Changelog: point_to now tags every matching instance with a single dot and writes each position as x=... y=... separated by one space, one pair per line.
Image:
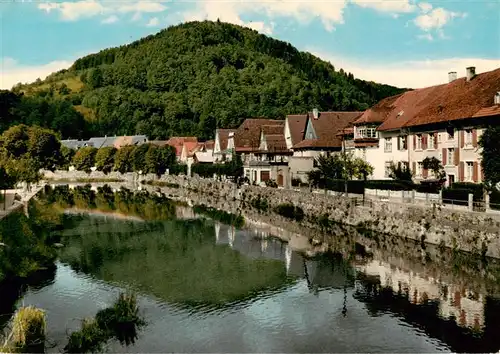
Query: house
x=184 y=146
x=106 y=141
x=260 y=143
x=313 y=134
x=270 y=160
x=204 y=152
x=222 y=151
x=444 y=121
x=122 y=141
x=73 y=144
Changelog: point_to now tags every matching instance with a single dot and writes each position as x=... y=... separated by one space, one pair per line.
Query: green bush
x=456 y=196
x=290 y=211
x=495 y=199
x=338 y=185
x=260 y=203
x=391 y=185
x=178 y=169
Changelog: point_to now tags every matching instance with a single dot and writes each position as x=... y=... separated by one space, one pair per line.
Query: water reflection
x=210 y=287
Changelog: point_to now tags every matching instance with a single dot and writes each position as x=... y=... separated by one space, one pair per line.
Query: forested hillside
x=190 y=79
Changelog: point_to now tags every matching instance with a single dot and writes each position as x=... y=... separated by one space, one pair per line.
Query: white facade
x=457 y=149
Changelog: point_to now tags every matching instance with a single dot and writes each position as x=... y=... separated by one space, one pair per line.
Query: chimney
x=452 y=76
x=470 y=72
x=496 y=100
x=315 y=113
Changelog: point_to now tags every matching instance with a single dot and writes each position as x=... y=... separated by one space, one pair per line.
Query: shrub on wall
x=290 y=211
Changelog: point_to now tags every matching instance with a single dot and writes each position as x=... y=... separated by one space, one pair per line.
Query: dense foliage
x=338 y=166
x=146 y=158
x=491 y=155
x=190 y=79
x=41 y=110
x=24 y=151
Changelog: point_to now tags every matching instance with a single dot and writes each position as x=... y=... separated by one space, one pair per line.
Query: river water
x=207 y=287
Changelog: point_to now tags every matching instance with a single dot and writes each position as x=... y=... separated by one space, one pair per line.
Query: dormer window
x=366 y=133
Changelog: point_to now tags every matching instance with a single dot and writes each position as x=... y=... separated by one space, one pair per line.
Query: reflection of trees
x=175 y=260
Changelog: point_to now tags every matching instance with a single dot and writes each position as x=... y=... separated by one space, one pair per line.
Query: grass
x=28 y=331
x=73 y=83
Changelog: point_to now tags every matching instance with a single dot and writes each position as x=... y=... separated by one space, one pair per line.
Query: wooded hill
x=188 y=80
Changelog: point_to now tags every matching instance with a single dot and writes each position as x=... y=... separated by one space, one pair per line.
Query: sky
x=406 y=43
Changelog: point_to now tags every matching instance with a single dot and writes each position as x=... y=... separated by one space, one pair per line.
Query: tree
x=400 y=172
x=44 y=147
x=339 y=166
x=84 y=159
x=105 y=159
x=138 y=157
x=66 y=157
x=433 y=164
x=123 y=159
x=14 y=141
x=490 y=144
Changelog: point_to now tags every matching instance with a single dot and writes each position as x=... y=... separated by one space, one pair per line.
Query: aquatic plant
x=90 y=338
x=28 y=332
x=119 y=321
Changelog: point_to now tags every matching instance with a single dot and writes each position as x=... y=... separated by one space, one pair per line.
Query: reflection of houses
x=259 y=244
x=453 y=301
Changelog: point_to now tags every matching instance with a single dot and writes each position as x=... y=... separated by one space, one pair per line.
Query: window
x=420 y=168
x=468 y=137
x=431 y=143
x=451 y=157
x=469 y=171
x=387 y=170
x=364 y=132
x=419 y=142
x=439 y=137
x=388 y=145
x=451 y=133
x=402 y=142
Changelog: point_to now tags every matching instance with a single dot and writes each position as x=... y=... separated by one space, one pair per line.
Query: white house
x=443 y=121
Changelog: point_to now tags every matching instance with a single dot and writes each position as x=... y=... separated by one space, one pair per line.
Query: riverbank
x=458 y=230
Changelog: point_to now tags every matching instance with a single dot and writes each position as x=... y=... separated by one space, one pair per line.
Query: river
x=204 y=286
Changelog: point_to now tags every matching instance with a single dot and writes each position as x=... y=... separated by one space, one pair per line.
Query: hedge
x=338 y=185
x=391 y=185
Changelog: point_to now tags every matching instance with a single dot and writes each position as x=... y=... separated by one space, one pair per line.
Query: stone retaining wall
x=467 y=231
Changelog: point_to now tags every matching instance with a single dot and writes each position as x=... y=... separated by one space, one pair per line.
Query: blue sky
x=407 y=43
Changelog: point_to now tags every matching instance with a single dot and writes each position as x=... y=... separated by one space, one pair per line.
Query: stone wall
x=467 y=231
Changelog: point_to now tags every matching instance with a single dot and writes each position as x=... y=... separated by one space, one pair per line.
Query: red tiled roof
x=276 y=143
x=209 y=144
x=158 y=142
x=178 y=142
x=297 y=125
x=488 y=112
x=457 y=100
x=247 y=136
x=224 y=137
x=273 y=129
x=326 y=127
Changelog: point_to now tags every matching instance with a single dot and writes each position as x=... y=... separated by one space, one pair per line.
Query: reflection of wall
x=465 y=306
